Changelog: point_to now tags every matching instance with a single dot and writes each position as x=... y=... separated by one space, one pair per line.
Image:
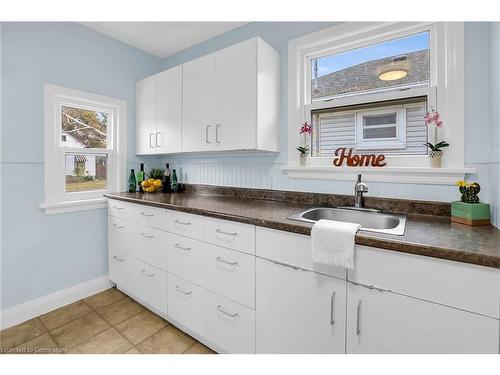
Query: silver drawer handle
x=118 y=226
x=178 y=288
x=146 y=236
x=118 y=259
x=226 y=233
x=182 y=247
x=147 y=215
x=332 y=309
x=118 y=208
x=358 y=328
x=146 y=274
x=181 y=222
x=222 y=260
x=221 y=309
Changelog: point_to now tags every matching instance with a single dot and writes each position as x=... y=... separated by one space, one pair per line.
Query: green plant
x=303 y=149
x=438 y=146
x=156 y=173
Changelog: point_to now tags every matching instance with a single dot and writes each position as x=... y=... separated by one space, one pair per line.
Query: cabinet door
x=169 y=111
x=145 y=127
x=385 y=322
x=236 y=96
x=198 y=128
x=298 y=311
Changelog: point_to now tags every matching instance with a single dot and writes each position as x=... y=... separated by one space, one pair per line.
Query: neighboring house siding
x=338 y=129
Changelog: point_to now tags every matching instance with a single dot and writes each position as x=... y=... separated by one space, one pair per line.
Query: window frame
x=396 y=143
x=445 y=92
x=57 y=200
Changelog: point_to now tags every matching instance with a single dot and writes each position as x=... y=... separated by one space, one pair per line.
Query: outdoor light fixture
x=392 y=75
x=396 y=69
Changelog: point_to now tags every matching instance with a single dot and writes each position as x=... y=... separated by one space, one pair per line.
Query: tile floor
x=108 y=322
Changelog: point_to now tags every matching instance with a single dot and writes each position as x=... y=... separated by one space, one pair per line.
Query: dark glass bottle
x=140 y=177
x=132 y=182
x=174 y=184
x=166 y=180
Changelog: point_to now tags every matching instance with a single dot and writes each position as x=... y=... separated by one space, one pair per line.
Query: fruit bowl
x=151 y=185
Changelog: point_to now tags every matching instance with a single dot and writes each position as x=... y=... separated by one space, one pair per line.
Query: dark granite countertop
x=434 y=236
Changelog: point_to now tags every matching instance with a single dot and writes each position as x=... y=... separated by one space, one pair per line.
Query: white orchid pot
x=304 y=160
x=435 y=158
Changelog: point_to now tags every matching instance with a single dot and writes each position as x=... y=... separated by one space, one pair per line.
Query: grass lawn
x=85 y=185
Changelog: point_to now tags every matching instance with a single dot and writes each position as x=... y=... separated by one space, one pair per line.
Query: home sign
x=345 y=157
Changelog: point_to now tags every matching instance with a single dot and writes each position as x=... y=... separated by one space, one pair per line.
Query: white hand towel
x=332 y=243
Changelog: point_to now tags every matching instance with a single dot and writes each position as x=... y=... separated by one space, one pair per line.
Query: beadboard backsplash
x=265 y=174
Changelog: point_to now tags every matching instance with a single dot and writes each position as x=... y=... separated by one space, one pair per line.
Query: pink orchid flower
x=306 y=128
x=433 y=118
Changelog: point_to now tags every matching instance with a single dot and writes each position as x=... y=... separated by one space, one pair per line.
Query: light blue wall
x=43 y=254
x=494 y=80
x=262 y=171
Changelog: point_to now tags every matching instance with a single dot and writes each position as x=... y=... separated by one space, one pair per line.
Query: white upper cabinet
x=169 y=111
x=231 y=99
x=236 y=97
x=224 y=101
x=159 y=113
x=198 y=128
x=145 y=116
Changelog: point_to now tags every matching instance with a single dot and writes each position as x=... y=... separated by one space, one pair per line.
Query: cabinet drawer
x=230 y=234
x=226 y=272
x=142 y=242
x=293 y=249
x=229 y=325
x=461 y=285
x=151 y=285
x=146 y=215
x=121 y=270
x=185 y=224
x=118 y=208
x=185 y=302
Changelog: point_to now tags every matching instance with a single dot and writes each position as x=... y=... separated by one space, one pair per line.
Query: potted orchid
x=306 y=129
x=435 y=150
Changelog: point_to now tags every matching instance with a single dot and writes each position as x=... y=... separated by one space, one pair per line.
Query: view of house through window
x=84 y=129
x=396 y=127
x=395 y=63
x=391 y=126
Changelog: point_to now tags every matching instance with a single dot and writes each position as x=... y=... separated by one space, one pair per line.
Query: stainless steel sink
x=370 y=220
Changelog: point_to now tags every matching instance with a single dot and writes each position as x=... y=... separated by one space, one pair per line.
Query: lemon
x=157 y=183
x=145 y=184
x=150 y=189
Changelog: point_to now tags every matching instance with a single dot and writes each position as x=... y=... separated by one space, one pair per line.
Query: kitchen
x=250 y=188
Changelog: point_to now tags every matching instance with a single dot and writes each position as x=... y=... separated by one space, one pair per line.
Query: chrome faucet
x=359 y=189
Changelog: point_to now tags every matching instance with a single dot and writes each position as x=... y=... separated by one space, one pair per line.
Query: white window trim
x=445 y=93
x=396 y=143
x=56 y=199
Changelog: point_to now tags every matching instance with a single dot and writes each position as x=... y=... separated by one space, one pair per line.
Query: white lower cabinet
x=225 y=324
x=386 y=322
x=201 y=273
x=298 y=311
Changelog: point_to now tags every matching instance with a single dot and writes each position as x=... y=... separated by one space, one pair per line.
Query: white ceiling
x=162 y=38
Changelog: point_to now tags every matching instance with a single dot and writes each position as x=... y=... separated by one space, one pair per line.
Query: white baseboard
x=31 y=309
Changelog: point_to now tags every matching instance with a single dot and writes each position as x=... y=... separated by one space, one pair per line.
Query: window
x=397 y=127
x=84 y=148
x=367 y=86
x=397 y=63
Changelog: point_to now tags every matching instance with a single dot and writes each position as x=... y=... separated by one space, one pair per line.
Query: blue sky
x=394 y=47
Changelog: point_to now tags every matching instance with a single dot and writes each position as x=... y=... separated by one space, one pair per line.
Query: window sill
x=415 y=175
x=73 y=206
